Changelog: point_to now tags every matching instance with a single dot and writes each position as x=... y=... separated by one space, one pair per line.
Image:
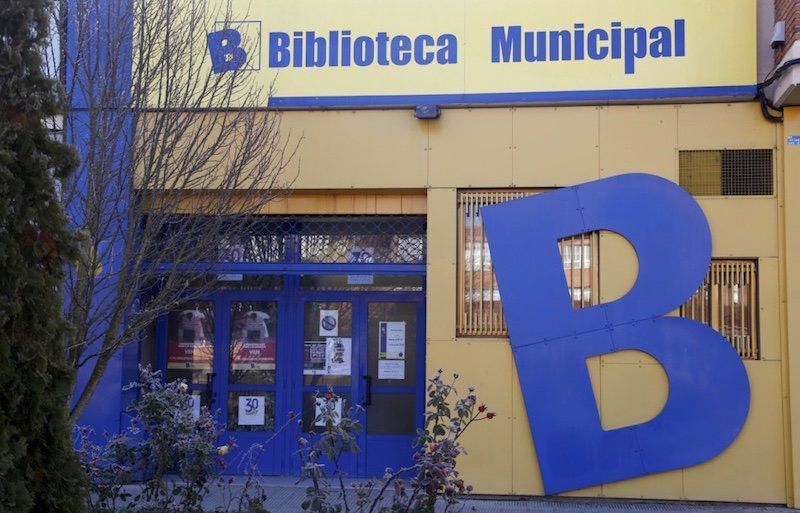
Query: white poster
x=329 y=323
x=392 y=342
x=391 y=369
x=251 y=410
x=337 y=407
x=314 y=358
x=337 y=356
x=193 y=401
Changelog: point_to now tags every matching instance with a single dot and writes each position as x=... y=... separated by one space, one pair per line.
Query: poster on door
x=252 y=341
x=337 y=356
x=193 y=403
x=251 y=410
x=392 y=340
x=190 y=343
x=314 y=353
x=329 y=323
x=391 y=369
x=335 y=404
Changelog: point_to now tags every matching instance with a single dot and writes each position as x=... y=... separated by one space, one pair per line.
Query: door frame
x=360 y=300
x=288 y=392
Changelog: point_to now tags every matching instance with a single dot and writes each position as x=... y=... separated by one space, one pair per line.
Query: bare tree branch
x=176 y=162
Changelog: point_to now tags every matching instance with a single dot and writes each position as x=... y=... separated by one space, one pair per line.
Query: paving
x=284 y=495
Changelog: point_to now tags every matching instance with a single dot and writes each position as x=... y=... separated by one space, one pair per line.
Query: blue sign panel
x=709 y=393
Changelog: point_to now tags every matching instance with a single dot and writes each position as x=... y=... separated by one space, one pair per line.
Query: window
x=727 y=301
x=480 y=312
x=726 y=172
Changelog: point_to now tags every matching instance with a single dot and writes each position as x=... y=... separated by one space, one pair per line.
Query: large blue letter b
x=709 y=394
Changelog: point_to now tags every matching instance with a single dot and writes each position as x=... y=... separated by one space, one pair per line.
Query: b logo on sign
x=232 y=49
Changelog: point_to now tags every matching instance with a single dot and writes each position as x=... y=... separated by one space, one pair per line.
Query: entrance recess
x=256 y=356
x=305 y=303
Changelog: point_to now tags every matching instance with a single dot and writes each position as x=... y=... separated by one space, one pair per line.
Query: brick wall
x=788 y=11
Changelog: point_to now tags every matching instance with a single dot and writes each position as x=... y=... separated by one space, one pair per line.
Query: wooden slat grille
x=727 y=301
x=480 y=311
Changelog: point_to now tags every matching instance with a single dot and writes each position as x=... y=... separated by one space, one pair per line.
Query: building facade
x=375 y=271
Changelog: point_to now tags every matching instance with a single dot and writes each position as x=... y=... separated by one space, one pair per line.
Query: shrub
x=163 y=439
x=413 y=489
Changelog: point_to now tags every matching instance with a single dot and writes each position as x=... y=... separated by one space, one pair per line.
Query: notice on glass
x=251 y=410
x=337 y=356
x=391 y=369
x=329 y=323
x=190 y=344
x=392 y=343
x=321 y=403
x=193 y=401
x=252 y=344
x=314 y=358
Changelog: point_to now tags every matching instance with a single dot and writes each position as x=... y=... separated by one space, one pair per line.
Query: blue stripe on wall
x=512 y=98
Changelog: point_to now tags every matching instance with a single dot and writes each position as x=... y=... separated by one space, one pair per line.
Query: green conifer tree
x=38 y=468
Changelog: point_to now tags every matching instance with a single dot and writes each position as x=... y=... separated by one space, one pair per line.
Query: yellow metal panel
x=311 y=204
x=441 y=270
x=364 y=204
x=555 y=146
x=619 y=266
x=344 y=203
x=633 y=389
x=720 y=46
x=526 y=476
x=304 y=202
x=631 y=393
x=638 y=138
x=745 y=227
x=791 y=318
x=471 y=148
x=389 y=204
x=723 y=125
x=484 y=365
x=769 y=308
x=666 y=485
x=417 y=204
x=752 y=468
x=278 y=206
x=365 y=149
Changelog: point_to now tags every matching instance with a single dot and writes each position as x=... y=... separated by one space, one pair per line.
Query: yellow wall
x=560 y=146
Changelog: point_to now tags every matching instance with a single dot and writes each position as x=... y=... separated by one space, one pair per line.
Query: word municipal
x=509 y=44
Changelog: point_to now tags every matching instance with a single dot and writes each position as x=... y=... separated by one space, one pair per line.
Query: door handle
x=209 y=387
x=368 y=382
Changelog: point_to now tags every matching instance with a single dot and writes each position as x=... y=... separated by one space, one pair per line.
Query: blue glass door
x=368 y=348
x=250 y=391
x=232 y=350
x=327 y=349
x=394 y=370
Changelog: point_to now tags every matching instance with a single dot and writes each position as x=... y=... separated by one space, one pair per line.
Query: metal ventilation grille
x=726 y=172
x=329 y=239
x=727 y=300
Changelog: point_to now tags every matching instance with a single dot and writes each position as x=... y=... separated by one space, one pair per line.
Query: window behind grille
x=480 y=312
x=727 y=301
x=726 y=172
